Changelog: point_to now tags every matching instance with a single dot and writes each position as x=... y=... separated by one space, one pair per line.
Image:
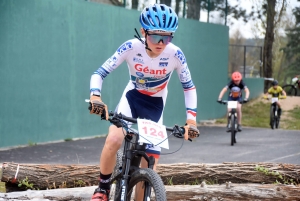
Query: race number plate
x=274 y=100
x=232 y=104
x=151 y=132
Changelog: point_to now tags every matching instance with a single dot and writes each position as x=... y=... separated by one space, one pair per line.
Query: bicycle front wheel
x=232 y=120
x=153 y=188
x=277 y=122
x=272 y=117
x=290 y=90
x=116 y=190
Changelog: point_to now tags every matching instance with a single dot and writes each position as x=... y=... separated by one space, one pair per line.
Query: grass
x=2 y=187
x=293 y=119
x=68 y=139
x=257 y=114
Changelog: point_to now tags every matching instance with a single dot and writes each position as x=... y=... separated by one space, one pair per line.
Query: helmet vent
x=159 y=17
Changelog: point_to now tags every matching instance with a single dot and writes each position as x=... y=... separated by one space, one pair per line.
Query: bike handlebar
x=280 y=97
x=226 y=101
x=116 y=118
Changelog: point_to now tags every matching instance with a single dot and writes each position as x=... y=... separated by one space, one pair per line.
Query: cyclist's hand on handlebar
x=191 y=130
x=283 y=97
x=98 y=107
x=219 y=100
x=245 y=100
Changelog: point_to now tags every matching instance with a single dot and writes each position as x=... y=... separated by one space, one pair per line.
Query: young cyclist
x=236 y=85
x=151 y=61
x=276 y=91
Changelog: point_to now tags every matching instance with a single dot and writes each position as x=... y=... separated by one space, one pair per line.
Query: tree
x=134 y=4
x=236 y=56
x=270 y=18
x=292 y=48
x=193 y=9
x=167 y=2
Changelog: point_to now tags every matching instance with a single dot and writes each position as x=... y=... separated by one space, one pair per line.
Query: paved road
x=213 y=146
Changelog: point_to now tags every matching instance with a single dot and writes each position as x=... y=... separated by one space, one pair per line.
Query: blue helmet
x=159 y=17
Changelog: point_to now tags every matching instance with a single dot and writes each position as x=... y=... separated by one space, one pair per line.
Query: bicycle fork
x=232 y=112
x=133 y=159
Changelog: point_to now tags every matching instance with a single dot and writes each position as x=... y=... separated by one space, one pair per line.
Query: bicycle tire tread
x=149 y=175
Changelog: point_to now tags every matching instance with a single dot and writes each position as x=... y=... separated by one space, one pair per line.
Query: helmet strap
x=139 y=38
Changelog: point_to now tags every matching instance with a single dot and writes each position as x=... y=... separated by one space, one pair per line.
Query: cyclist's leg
x=239 y=113
x=107 y=162
x=228 y=126
x=108 y=155
x=112 y=145
x=279 y=109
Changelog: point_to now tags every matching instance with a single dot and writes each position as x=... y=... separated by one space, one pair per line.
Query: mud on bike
x=232 y=118
x=127 y=173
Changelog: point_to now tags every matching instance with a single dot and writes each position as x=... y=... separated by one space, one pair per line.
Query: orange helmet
x=236 y=76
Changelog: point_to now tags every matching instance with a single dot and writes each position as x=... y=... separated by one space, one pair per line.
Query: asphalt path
x=213 y=146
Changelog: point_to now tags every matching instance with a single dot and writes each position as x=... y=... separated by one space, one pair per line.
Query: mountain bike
x=232 y=118
x=291 y=89
x=274 y=116
x=127 y=173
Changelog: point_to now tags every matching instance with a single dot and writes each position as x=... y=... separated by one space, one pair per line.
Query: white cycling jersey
x=150 y=76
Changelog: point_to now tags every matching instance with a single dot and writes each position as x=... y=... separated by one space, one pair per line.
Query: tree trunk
x=134 y=4
x=42 y=176
x=177 y=7
x=225 y=192
x=193 y=10
x=167 y=2
x=233 y=172
x=268 y=43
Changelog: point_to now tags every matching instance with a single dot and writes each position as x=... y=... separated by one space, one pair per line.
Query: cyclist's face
x=157 y=41
x=275 y=86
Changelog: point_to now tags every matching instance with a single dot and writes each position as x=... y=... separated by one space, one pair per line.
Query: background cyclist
x=151 y=61
x=236 y=85
x=276 y=91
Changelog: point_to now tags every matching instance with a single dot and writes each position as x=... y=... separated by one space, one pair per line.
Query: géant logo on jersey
x=180 y=56
x=123 y=48
x=141 y=68
x=138 y=60
x=163 y=64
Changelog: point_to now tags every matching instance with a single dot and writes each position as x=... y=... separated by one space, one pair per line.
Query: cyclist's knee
x=114 y=139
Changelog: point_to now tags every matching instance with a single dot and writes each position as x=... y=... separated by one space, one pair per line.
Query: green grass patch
x=2 y=187
x=256 y=114
x=292 y=121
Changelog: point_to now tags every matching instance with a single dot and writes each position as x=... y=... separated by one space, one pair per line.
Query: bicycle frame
x=232 y=115
x=274 y=121
x=133 y=152
x=132 y=155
